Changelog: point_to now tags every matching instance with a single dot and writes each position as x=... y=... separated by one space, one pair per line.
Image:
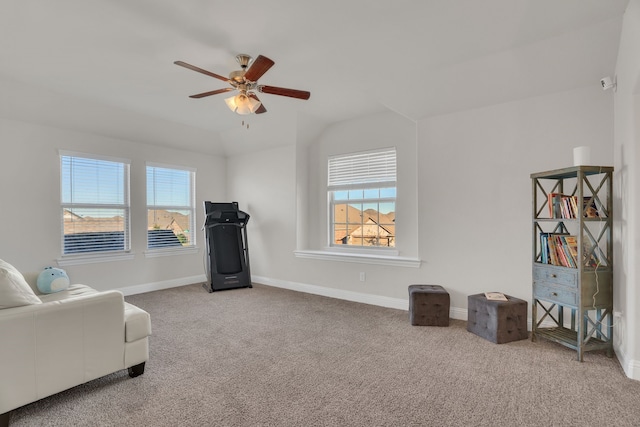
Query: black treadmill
x=227 y=264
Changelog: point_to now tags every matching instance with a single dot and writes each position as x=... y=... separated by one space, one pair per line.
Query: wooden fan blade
x=261 y=109
x=293 y=93
x=213 y=92
x=258 y=68
x=200 y=70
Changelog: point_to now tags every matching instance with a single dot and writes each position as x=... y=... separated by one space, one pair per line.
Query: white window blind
x=362 y=199
x=170 y=207
x=95 y=204
x=370 y=168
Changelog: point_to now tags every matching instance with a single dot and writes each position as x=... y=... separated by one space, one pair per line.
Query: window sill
x=359 y=257
x=94 y=258
x=155 y=253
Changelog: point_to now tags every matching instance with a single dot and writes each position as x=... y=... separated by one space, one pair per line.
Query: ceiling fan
x=245 y=81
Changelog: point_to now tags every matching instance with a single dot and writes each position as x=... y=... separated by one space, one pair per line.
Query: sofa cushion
x=70 y=292
x=137 y=323
x=14 y=290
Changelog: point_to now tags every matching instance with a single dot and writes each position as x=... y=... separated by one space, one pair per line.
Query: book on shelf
x=544 y=249
x=562 y=206
x=562 y=253
x=554 y=201
x=562 y=249
x=495 y=296
x=570 y=247
x=558 y=249
x=549 y=253
x=566 y=207
x=570 y=244
x=592 y=259
x=590 y=208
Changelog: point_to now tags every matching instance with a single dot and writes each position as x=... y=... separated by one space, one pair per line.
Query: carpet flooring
x=271 y=357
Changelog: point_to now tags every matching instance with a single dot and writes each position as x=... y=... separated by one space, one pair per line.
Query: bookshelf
x=572 y=227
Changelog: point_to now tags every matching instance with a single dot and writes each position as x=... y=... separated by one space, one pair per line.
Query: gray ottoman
x=428 y=305
x=497 y=321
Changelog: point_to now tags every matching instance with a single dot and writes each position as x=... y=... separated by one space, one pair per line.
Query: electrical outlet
x=363 y=277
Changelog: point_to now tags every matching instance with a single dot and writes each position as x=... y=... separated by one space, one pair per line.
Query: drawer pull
x=554 y=275
x=555 y=294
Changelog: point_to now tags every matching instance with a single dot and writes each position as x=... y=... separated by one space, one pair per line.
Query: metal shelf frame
x=574 y=306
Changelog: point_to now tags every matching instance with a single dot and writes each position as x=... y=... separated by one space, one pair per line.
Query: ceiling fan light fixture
x=243 y=104
x=245 y=81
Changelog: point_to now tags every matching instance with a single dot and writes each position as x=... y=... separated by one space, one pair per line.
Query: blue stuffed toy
x=52 y=280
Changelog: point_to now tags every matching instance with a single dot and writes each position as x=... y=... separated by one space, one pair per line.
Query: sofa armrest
x=50 y=347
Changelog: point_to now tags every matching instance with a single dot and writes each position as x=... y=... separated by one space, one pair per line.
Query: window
x=170 y=207
x=94 y=204
x=362 y=199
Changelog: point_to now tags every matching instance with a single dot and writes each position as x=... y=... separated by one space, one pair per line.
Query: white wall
x=263 y=183
x=367 y=133
x=475 y=186
x=465 y=195
x=471 y=204
x=30 y=210
x=627 y=161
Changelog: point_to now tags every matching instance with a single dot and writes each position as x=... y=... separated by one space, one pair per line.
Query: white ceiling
x=107 y=66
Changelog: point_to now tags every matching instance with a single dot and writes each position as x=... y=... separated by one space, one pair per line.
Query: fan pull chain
x=247 y=124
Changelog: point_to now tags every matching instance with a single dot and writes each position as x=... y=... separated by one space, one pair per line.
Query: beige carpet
x=271 y=357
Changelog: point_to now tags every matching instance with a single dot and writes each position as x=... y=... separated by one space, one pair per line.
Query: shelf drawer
x=560 y=295
x=555 y=275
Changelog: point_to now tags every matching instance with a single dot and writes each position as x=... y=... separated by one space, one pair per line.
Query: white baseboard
x=382 y=301
x=458 y=313
x=165 y=284
x=631 y=367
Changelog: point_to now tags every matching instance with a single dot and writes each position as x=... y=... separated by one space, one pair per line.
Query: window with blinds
x=170 y=207
x=362 y=197
x=94 y=204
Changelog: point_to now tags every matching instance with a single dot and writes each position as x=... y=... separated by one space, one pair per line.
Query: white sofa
x=64 y=339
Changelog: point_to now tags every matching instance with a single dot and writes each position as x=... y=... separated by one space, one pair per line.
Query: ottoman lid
x=427 y=288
